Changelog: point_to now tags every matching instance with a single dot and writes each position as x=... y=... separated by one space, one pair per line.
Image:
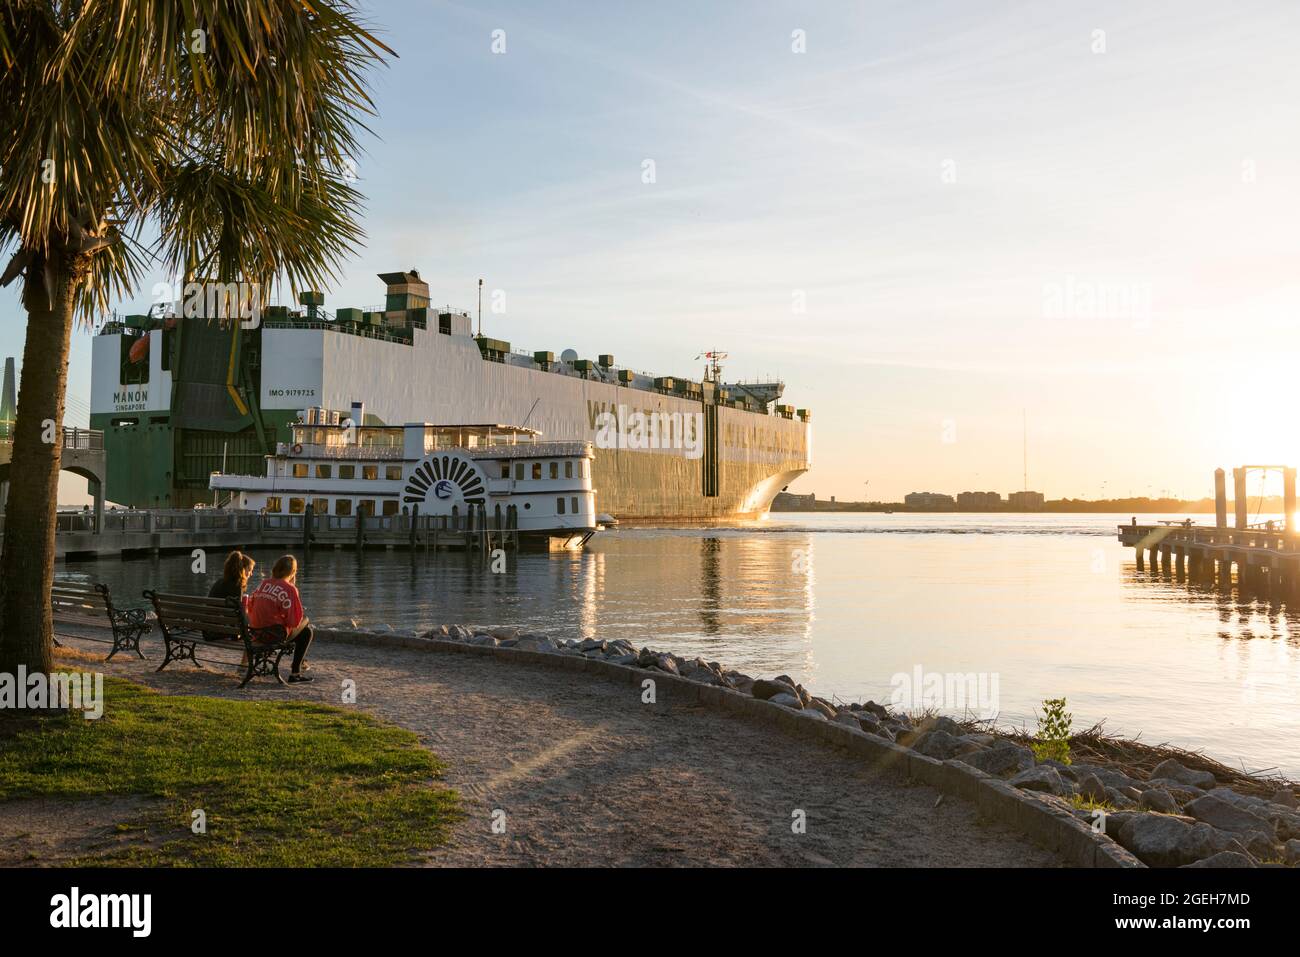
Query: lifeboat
x=139 y=350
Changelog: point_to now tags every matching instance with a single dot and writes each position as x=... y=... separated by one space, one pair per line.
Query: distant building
x=928 y=500
x=1025 y=501
x=789 y=502
x=978 y=501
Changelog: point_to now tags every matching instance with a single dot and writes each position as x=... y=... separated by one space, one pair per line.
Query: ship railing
x=533 y=450
x=161 y=520
x=359 y=452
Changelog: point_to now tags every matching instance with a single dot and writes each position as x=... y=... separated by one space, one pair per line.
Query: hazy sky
x=936 y=217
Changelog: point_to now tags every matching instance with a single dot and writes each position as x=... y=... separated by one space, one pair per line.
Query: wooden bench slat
x=175 y=622
x=167 y=614
x=190 y=599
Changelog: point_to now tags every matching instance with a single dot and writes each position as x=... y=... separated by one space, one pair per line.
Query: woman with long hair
x=236 y=571
x=276 y=607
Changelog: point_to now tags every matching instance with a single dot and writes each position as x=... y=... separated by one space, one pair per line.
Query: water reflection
x=842 y=602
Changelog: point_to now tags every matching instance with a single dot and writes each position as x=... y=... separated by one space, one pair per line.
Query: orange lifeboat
x=139 y=349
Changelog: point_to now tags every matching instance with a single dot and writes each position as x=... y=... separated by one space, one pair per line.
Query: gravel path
x=588 y=775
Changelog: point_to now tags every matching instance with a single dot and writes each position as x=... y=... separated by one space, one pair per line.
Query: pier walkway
x=127 y=532
x=1267 y=560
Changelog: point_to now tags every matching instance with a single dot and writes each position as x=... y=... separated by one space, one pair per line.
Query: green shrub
x=1053 y=738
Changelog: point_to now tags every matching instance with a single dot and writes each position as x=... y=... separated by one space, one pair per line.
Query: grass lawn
x=282 y=783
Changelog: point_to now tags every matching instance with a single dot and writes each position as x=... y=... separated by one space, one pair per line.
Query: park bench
x=187 y=621
x=84 y=603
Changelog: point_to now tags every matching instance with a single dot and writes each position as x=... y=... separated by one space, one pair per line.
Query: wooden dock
x=131 y=532
x=1266 y=561
x=1266 y=555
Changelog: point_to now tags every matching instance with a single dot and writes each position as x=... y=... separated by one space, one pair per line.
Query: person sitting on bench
x=276 y=606
x=235 y=573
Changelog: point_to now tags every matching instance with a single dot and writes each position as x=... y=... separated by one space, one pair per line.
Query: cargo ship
x=181 y=398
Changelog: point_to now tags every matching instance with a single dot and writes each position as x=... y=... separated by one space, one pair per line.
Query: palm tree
x=222 y=131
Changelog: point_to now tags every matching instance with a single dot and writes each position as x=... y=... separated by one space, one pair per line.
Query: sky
x=954 y=230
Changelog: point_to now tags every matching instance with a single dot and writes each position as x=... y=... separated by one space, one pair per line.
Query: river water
x=1032 y=606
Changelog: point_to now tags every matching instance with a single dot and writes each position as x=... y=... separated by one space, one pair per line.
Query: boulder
x=1041 y=778
x=879 y=710
x=848 y=719
x=592 y=644
x=1228 y=817
x=938 y=744
x=667 y=663
x=1163 y=840
x=787 y=700
x=1224 y=859
x=1286 y=798
x=766 y=690
x=1171 y=770
x=505 y=632
x=1091 y=787
x=1119 y=799
x=1291 y=853
x=941 y=723
x=1154 y=799
x=1064 y=770
x=1000 y=761
x=1110 y=777
x=821 y=707
x=868 y=720
x=1182 y=793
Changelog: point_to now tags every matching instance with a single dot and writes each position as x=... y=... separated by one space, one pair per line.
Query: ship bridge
x=765 y=393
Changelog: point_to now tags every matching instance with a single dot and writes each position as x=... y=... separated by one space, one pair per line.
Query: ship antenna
x=480 y=308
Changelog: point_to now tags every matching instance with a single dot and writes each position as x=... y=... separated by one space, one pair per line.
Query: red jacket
x=275 y=602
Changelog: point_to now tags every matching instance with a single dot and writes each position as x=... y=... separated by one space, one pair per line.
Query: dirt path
x=588 y=775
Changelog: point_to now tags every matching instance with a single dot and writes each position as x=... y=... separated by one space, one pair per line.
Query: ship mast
x=713 y=365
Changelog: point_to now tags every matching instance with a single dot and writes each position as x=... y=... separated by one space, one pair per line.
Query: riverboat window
x=343 y=506
x=393 y=472
x=574 y=501
x=505 y=470
x=519 y=470
x=299 y=469
x=568 y=470
x=559 y=506
x=537 y=470
x=555 y=470
x=323 y=470
x=370 y=472
x=273 y=503
x=321 y=506
x=390 y=507
x=347 y=471
x=366 y=506
x=297 y=506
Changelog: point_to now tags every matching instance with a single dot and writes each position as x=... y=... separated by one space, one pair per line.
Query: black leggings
x=300 y=646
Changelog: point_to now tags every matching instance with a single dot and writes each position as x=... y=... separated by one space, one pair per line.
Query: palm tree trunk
x=27 y=567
